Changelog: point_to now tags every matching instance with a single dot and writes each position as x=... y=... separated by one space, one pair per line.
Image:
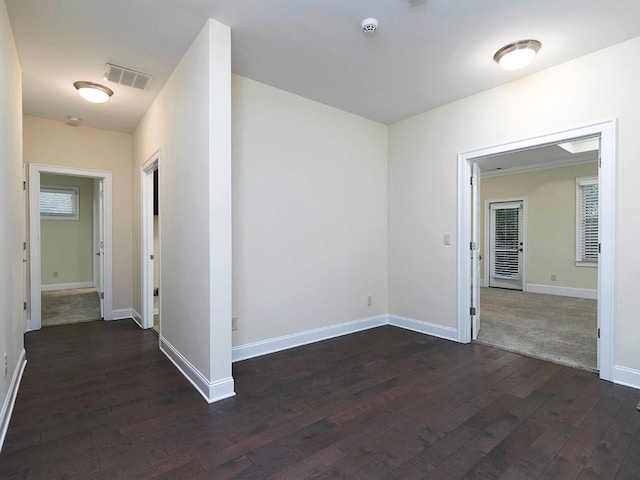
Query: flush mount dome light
x=93 y=92
x=517 y=54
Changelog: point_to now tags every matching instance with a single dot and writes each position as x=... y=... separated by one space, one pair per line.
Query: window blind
x=587 y=221
x=59 y=202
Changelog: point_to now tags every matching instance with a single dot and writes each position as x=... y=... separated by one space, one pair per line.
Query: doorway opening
x=470 y=280
x=538 y=295
x=70 y=248
x=151 y=249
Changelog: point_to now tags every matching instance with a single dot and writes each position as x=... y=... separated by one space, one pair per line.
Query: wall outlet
x=6 y=364
x=554 y=277
x=234 y=323
x=55 y=274
x=369 y=301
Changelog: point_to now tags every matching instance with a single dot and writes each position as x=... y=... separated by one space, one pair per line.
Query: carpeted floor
x=554 y=328
x=70 y=306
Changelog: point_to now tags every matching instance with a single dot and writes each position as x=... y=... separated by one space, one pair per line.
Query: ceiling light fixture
x=517 y=55
x=93 y=92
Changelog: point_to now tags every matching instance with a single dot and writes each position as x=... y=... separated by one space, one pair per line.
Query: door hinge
x=599 y=162
x=151 y=257
x=599 y=248
x=472 y=245
x=472 y=311
x=102 y=295
x=24 y=305
x=471 y=181
x=24 y=245
x=24 y=185
x=598 y=332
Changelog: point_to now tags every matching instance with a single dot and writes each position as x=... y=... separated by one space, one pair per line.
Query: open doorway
x=539 y=241
x=69 y=245
x=151 y=249
x=469 y=253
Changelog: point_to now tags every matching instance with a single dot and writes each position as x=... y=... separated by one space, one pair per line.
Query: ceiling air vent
x=126 y=76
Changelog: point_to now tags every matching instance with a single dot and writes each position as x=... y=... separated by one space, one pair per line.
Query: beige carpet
x=559 y=329
x=70 y=306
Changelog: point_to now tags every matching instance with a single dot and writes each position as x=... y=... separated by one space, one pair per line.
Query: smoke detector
x=369 y=25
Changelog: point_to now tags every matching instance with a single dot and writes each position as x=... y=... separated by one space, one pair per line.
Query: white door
x=99 y=227
x=475 y=251
x=25 y=281
x=506 y=245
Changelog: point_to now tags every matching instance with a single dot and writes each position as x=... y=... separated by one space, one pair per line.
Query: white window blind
x=587 y=238
x=506 y=241
x=59 y=203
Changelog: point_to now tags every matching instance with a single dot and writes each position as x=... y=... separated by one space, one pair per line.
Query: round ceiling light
x=517 y=54
x=93 y=92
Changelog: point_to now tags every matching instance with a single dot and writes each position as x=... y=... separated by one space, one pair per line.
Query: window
x=587 y=239
x=59 y=203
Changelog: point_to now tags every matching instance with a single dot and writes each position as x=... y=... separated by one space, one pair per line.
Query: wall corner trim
x=210 y=391
x=448 y=333
x=10 y=400
x=277 y=344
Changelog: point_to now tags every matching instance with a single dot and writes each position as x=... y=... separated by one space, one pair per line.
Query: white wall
x=423 y=178
x=11 y=279
x=67 y=245
x=190 y=125
x=55 y=143
x=309 y=214
x=550 y=244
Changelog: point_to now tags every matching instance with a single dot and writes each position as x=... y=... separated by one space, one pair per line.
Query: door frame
x=487 y=239
x=147 y=265
x=607 y=130
x=35 y=169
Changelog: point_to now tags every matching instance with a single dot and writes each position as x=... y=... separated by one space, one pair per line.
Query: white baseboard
x=626 y=376
x=563 y=291
x=211 y=391
x=65 y=286
x=10 y=400
x=448 y=333
x=137 y=317
x=123 y=313
x=272 y=345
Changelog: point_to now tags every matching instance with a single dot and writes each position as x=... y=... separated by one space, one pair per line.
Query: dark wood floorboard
x=99 y=401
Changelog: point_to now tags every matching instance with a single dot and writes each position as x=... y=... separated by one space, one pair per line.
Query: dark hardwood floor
x=99 y=401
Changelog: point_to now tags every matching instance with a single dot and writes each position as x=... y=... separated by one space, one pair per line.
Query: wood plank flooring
x=99 y=401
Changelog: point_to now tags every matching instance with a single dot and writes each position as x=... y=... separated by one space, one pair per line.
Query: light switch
x=447 y=239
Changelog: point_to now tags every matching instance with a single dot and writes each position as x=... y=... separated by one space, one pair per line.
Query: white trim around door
x=35 y=320
x=147 y=190
x=606 y=130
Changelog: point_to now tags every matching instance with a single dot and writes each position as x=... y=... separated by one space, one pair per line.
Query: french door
x=506 y=245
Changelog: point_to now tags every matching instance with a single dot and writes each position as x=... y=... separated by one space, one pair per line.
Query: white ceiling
x=426 y=53
x=548 y=156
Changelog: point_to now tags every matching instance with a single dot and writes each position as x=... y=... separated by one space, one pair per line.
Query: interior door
x=506 y=245
x=475 y=251
x=100 y=252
